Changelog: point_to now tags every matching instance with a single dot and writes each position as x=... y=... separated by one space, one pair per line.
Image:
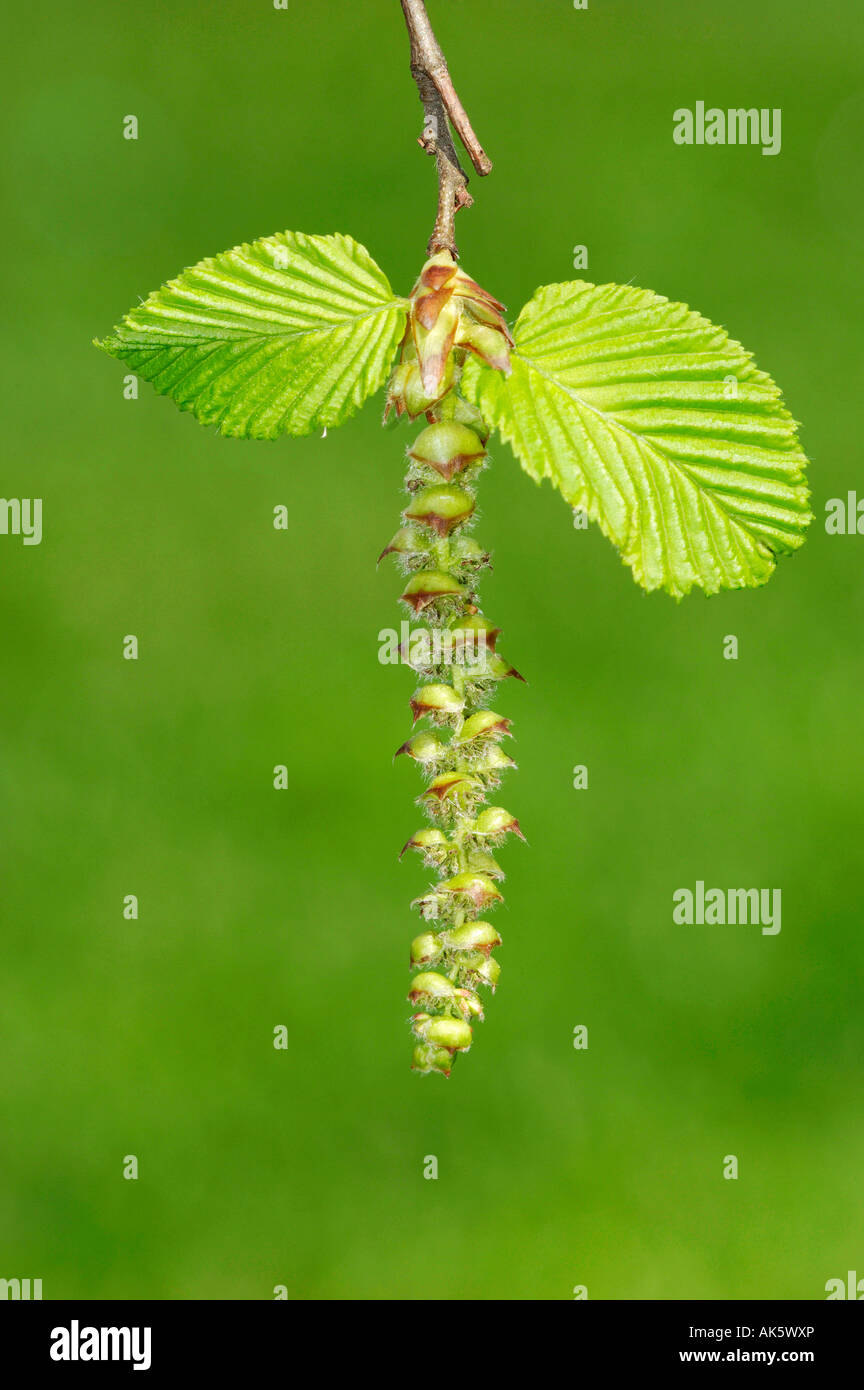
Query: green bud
x=481 y=970
x=429 y=905
x=429 y=1059
x=436 y=991
x=462 y=412
x=442 y=509
x=498 y=669
x=467 y=553
x=427 y=586
x=452 y=1033
x=478 y=888
x=491 y=761
x=425 y=748
x=425 y=949
x=453 y=787
x=423 y=651
x=485 y=723
x=448 y=447
x=483 y=863
x=431 y=988
x=407 y=394
x=396 y=390
x=432 y=844
x=440 y=700
x=470 y=1005
x=439 y=903
x=407 y=541
x=495 y=822
x=473 y=936
x=474 y=632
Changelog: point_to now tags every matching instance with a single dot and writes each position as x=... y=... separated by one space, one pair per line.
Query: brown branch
x=441 y=105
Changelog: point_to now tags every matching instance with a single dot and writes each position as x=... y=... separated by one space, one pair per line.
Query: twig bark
x=441 y=106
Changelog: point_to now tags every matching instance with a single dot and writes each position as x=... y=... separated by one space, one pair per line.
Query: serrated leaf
x=659 y=426
x=284 y=336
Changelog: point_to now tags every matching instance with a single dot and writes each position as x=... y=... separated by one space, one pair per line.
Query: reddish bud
x=468 y=289
x=434 y=348
x=428 y=306
x=437 y=271
x=489 y=344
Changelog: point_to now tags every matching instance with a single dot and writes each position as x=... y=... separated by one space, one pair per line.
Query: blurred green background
x=153 y=1037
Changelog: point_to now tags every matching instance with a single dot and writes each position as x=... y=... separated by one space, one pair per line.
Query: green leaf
x=285 y=336
x=659 y=426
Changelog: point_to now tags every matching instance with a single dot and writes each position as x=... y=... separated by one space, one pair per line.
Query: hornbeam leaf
x=285 y=336
x=659 y=426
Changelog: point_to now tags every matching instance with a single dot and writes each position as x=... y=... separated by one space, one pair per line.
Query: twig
x=440 y=102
